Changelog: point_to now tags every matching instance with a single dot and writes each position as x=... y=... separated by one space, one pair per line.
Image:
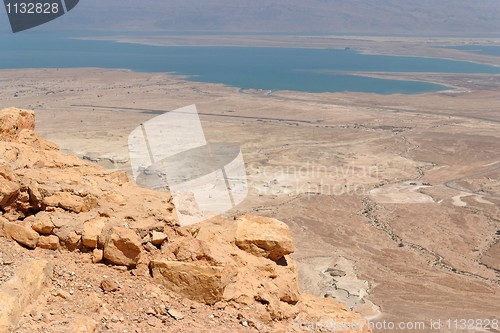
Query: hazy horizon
x=447 y=17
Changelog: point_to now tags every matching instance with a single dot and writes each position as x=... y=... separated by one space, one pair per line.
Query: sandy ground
x=393 y=200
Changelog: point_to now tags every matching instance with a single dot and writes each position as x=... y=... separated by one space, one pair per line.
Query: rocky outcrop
x=263 y=237
x=44 y=192
x=14 y=122
x=257 y=273
x=52 y=200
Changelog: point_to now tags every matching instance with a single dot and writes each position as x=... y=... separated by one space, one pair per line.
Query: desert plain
x=393 y=200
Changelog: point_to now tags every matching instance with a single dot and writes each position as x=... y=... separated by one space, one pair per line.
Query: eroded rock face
x=71 y=202
x=265 y=237
x=259 y=279
x=14 y=121
x=8 y=192
x=207 y=261
x=200 y=283
x=60 y=195
x=209 y=258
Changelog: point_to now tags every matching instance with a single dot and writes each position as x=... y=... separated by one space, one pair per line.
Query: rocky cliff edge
x=57 y=202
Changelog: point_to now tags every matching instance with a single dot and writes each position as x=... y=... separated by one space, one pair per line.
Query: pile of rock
x=52 y=200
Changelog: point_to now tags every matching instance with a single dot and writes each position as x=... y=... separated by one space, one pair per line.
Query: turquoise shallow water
x=307 y=70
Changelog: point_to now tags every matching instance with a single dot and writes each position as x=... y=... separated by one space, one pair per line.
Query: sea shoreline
x=422 y=47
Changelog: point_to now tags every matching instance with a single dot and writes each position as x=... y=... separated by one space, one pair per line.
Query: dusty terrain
x=393 y=201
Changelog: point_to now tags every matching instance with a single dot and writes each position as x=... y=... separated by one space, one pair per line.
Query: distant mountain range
x=422 y=17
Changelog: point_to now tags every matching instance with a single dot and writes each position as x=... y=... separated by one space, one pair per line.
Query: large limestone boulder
x=198 y=282
x=122 y=246
x=262 y=236
x=248 y=277
x=204 y=264
x=23 y=234
x=48 y=242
